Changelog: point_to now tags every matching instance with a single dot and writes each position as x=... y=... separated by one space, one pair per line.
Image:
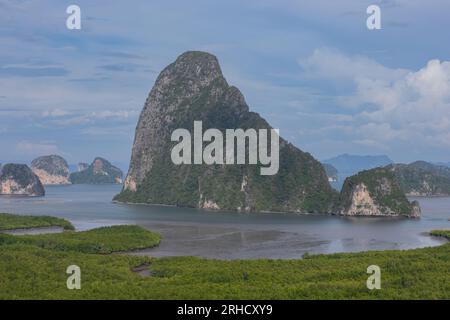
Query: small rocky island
x=19 y=179
x=101 y=171
x=375 y=192
x=51 y=170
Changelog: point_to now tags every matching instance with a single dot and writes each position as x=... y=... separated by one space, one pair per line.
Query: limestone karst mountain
x=100 y=171
x=422 y=178
x=193 y=89
x=18 y=179
x=375 y=192
x=51 y=170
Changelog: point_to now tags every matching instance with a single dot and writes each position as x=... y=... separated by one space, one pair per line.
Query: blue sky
x=312 y=69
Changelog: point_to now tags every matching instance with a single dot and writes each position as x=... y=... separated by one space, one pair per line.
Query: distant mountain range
x=444 y=164
x=348 y=165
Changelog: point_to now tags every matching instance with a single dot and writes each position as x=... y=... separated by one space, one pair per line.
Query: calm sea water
x=230 y=235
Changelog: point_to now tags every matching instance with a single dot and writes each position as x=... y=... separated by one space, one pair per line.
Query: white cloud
x=64 y=118
x=55 y=113
x=418 y=101
x=432 y=82
x=331 y=64
x=124 y=114
x=390 y=105
x=36 y=148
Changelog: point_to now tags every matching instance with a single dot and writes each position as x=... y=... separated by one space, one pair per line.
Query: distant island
x=51 y=170
x=19 y=179
x=422 y=178
x=419 y=178
x=100 y=171
x=375 y=192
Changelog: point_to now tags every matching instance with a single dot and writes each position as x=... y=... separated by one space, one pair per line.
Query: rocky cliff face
x=421 y=178
x=18 y=179
x=375 y=192
x=101 y=171
x=51 y=170
x=194 y=89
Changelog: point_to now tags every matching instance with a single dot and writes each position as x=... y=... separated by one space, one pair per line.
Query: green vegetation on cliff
x=101 y=171
x=194 y=89
x=375 y=192
x=422 y=179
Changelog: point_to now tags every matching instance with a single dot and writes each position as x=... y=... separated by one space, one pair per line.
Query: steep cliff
x=101 y=171
x=375 y=192
x=51 y=170
x=194 y=89
x=18 y=179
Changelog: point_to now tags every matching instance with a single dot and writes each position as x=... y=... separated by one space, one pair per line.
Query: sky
x=312 y=69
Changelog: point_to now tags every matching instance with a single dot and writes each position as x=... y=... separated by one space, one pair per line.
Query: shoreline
x=33 y=230
x=442 y=236
x=287 y=213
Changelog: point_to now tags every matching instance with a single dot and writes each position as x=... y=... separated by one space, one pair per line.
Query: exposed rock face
x=421 y=178
x=194 y=89
x=375 y=192
x=51 y=169
x=101 y=171
x=18 y=179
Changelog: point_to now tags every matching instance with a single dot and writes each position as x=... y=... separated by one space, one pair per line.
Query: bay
x=231 y=235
